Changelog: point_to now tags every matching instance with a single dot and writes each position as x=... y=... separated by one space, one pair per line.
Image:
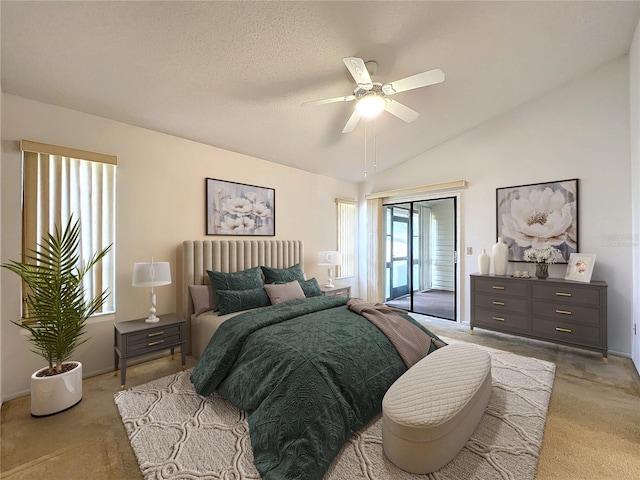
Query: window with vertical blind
x=60 y=182
x=347 y=236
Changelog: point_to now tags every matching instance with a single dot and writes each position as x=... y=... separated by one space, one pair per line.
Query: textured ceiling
x=234 y=74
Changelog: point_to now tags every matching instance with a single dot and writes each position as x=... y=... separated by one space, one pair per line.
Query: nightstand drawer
x=567 y=313
x=336 y=291
x=150 y=336
x=499 y=303
x=152 y=344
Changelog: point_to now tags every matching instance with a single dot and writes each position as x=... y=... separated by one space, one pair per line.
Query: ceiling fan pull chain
x=365 y=147
x=375 y=148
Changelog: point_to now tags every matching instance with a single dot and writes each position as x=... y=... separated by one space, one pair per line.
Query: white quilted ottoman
x=430 y=412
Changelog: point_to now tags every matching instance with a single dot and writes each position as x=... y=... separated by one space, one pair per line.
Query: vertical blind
x=60 y=182
x=347 y=237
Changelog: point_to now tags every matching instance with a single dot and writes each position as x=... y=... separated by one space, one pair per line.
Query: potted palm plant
x=57 y=309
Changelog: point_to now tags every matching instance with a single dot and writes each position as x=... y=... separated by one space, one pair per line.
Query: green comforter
x=309 y=373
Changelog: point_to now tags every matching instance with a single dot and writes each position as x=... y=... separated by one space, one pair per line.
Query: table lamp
x=151 y=275
x=329 y=259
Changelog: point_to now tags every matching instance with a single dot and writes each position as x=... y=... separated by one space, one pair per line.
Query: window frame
x=49 y=182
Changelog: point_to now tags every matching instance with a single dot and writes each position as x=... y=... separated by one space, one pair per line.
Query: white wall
x=580 y=130
x=160 y=203
x=634 y=91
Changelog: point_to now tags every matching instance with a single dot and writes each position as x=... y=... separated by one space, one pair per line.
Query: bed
x=309 y=371
x=195 y=257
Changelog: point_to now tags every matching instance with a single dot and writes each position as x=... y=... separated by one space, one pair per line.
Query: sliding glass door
x=420 y=257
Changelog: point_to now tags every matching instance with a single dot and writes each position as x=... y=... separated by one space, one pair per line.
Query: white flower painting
x=537 y=216
x=239 y=209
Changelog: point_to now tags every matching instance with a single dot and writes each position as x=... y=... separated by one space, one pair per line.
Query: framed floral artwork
x=239 y=209
x=538 y=215
x=580 y=267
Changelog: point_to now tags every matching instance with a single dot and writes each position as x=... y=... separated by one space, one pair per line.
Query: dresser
x=554 y=310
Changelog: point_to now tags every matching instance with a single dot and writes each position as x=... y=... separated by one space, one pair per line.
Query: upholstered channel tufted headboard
x=195 y=257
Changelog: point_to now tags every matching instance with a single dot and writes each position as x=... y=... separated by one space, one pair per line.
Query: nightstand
x=137 y=337
x=336 y=291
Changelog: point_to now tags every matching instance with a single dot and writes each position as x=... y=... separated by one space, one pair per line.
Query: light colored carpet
x=177 y=434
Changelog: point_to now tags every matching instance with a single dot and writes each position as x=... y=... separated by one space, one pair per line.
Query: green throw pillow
x=283 y=275
x=243 y=280
x=230 y=301
x=310 y=288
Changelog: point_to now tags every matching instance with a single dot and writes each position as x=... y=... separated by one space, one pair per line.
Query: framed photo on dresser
x=580 y=267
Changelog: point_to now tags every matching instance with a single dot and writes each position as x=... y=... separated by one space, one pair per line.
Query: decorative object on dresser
x=137 y=337
x=336 y=291
x=484 y=263
x=542 y=257
x=154 y=274
x=57 y=308
x=537 y=215
x=240 y=209
x=500 y=255
x=580 y=267
x=329 y=259
x=554 y=310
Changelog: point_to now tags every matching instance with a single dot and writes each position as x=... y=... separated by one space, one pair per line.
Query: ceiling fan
x=373 y=97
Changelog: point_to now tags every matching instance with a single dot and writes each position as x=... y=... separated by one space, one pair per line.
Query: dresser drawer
x=505 y=321
x=567 y=294
x=500 y=303
x=567 y=313
x=579 y=334
x=502 y=286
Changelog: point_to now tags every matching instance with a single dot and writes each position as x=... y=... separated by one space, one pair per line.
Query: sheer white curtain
x=375 y=250
x=57 y=186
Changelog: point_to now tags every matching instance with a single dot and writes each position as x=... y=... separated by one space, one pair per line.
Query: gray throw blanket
x=411 y=342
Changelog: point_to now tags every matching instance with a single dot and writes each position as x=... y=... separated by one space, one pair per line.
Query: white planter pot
x=57 y=393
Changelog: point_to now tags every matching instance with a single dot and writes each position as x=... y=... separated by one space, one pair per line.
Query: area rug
x=178 y=434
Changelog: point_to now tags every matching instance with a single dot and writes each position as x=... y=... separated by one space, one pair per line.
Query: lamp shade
x=329 y=258
x=152 y=274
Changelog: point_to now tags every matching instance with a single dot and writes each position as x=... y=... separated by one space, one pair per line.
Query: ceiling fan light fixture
x=370 y=105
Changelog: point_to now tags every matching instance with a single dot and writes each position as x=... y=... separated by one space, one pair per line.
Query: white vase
x=500 y=254
x=56 y=393
x=484 y=263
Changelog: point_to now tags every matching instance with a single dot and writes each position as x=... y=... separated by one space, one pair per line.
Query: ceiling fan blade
x=359 y=72
x=347 y=98
x=352 y=122
x=419 y=80
x=401 y=111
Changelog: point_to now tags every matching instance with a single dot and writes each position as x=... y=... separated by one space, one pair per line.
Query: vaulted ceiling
x=235 y=74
